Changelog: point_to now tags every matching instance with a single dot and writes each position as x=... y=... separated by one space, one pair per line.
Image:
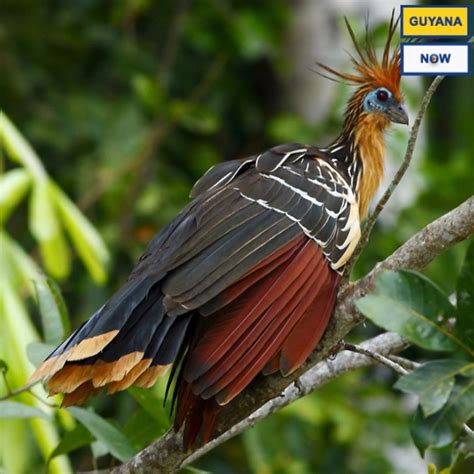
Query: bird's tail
x=129 y=341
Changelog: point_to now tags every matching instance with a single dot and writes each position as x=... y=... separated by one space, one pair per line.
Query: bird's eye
x=382 y=95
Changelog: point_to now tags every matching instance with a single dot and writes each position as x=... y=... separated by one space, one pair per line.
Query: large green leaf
x=408 y=303
x=76 y=438
x=117 y=443
x=13 y=187
x=10 y=409
x=445 y=425
x=464 y=327
x=46 y=229
x=86 y=239
x=53 y=311
x=433 y=382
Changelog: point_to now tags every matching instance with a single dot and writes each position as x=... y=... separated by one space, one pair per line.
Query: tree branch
x=166 y=455
x=376 y=356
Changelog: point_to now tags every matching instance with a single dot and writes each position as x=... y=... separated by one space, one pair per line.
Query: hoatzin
x=243 y=281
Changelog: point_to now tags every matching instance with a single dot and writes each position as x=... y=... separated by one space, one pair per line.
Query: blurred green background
x=127 y=103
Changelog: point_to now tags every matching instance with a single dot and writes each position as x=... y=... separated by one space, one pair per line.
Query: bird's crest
x=369 y=71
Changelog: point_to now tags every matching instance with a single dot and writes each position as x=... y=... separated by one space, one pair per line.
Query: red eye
x=382 y=95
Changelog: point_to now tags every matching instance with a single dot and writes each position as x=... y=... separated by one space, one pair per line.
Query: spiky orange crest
x=369 y=71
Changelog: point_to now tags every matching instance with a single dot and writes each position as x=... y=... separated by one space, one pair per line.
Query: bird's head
x=378 y=98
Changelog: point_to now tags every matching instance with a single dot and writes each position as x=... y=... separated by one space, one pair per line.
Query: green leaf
x=18 y=265
x=258 y=458
x=76 y=438
x=142 y=429
x=51 y=318
x=287 y=128
x=13 y=187
x=433 y=382
x=9 y=410
x=441 y=428
x=38 y=351
x=464 y=327
x=98 y=449
x=149 y=91
x=117 y=443
x=60 y=304
x=408 y=303
x=86 y=239
x=196 y=118
x=20 y=150
x=151 y=403
x=46 y=229
x=253 y=34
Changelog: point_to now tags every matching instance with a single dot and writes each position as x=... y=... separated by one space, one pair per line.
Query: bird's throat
x=369 y=148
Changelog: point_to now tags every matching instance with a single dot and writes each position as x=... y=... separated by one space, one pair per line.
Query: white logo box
x=435 y=59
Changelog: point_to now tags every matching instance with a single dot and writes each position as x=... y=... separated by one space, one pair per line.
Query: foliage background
x=128 y=103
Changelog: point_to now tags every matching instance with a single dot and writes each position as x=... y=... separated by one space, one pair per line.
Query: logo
x=435 y=59
x=421 y=21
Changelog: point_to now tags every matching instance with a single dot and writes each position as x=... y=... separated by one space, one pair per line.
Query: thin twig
x=398 y=176
x=376 y=356
x=405 y=363
x=44 y=402
x=26 y=388
x=14 y=393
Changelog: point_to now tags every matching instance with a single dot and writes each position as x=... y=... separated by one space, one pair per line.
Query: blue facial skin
x=381 y=100
x=372 y=103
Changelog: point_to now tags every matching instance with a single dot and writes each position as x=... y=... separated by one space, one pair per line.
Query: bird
x=243 y=281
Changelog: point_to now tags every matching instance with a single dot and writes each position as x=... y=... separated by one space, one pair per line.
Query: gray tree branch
x=166 y=455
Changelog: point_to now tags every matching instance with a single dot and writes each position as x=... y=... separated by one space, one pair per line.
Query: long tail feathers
x=270 y=320
x=137 y=345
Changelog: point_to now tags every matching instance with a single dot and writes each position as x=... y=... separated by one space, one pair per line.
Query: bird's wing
x=256 y=254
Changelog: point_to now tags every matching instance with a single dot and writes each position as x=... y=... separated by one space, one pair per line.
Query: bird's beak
x=397 y=113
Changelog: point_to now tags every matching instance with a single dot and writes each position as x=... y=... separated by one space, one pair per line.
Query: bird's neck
x=360 y=149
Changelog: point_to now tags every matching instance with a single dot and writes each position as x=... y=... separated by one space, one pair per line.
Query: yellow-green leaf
x=13 y=187
x=46 y=228
x=87 y=241
x=19 y=149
